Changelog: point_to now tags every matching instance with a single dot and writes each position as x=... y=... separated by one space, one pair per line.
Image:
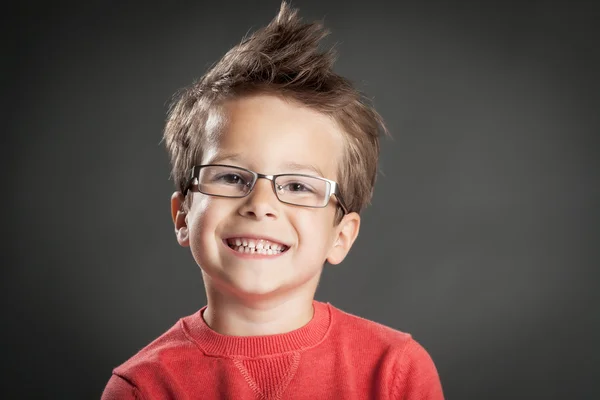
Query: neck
x=240 y=317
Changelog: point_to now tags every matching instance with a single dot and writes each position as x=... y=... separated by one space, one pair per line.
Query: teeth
x=251 y=250
x=253 y=246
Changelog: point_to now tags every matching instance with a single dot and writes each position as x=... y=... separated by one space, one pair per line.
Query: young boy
x=274 y=156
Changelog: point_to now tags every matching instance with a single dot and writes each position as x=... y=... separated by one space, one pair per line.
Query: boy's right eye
x=230 y=179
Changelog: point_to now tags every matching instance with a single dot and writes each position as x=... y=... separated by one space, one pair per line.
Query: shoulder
x=167 y=346
x=169 y=349
x=415 y=375
x=408 y=367
x=364 y=330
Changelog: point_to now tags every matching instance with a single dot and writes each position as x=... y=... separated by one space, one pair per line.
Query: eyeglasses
x=296 y=189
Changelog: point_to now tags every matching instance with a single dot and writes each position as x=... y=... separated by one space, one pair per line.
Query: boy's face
x=268 y=135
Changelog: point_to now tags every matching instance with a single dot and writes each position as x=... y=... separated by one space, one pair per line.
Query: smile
x=256 y=246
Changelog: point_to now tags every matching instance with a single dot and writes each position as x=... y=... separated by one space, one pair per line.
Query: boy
x=274 y=156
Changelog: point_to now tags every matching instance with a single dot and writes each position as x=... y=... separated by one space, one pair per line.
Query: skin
x=260 y=296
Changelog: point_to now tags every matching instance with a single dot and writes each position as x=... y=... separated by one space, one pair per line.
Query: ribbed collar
x=216 y=344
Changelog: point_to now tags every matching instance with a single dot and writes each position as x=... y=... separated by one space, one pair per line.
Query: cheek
x=315 y=230
x=198 y=215
x=205 y=219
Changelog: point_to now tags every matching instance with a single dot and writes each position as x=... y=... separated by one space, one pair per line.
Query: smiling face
x=257 y=245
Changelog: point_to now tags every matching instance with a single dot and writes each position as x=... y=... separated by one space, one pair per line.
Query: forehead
x=274 y=135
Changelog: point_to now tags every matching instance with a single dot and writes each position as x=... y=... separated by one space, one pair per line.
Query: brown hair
x=282 y=58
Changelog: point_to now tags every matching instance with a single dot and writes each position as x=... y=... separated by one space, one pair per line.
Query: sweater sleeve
x=416 y=376
x=120 y=389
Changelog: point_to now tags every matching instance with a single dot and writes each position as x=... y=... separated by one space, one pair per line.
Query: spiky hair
x=282 y=58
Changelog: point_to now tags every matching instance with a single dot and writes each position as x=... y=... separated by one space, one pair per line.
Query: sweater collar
x=216 y=344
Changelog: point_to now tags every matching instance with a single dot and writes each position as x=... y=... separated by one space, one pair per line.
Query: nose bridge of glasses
x=269 y=186
x=270 y=178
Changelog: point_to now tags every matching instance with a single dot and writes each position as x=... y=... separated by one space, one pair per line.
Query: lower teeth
x=249 y=250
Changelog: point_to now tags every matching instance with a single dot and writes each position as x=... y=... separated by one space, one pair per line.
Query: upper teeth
x=258 y=244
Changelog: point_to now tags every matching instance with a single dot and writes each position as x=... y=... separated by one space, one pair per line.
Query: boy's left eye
x=296 y=187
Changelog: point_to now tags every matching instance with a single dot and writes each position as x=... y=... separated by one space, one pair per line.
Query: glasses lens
x=224 y=181
x=302 y=190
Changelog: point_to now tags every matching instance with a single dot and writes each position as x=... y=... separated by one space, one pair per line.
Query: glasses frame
x=334 y=187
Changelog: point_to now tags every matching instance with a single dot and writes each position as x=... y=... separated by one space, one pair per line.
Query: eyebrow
x=220 y=157
x=287 y=167
x=297 y=167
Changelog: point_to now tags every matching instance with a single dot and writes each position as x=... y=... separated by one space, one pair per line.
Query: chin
x=266 y=288
x=258 y=288
x=241 y=281
x=261 y=279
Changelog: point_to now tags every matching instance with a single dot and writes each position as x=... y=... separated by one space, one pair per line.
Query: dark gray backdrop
x=482 y=239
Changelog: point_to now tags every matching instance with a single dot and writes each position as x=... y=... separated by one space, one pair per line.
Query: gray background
x=482 y=239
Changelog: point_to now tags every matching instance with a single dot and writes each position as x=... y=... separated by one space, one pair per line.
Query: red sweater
x=335 y=356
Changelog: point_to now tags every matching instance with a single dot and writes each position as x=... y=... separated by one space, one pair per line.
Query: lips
x=256 y=245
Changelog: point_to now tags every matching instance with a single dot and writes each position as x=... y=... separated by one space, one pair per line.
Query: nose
x=261 y=202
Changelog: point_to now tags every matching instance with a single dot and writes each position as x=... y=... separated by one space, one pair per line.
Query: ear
x=179 y=219
x=346 y=233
